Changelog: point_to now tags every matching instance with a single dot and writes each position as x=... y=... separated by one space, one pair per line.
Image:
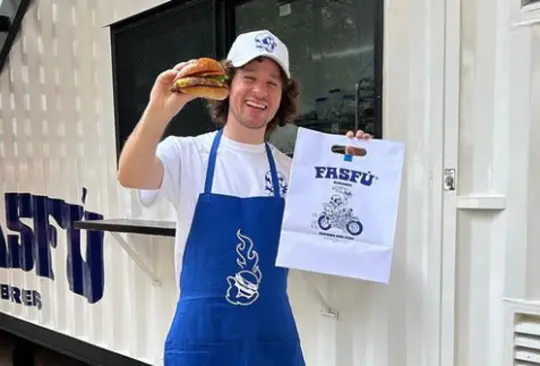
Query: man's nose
x=260 y=90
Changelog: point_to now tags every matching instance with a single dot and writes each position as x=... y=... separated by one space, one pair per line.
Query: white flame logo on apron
x=244 y=285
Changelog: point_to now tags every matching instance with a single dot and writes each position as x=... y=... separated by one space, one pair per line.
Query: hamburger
x=203 y=78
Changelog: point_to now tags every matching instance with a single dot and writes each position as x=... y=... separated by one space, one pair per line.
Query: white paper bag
x=340 y=213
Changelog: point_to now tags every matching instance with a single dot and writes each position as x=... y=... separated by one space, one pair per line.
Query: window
x=335 y=53
x=150 y=42
x=335 y=49
x=525 y=13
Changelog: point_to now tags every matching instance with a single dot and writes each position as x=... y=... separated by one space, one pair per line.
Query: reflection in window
x=331 y=47
x=8 y=9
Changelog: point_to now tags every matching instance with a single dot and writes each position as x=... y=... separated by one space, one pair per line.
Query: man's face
x=255 y=93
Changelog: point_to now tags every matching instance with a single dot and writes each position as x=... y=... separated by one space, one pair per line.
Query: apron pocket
x=204 y=354
x=286 y=353
x=187 y=358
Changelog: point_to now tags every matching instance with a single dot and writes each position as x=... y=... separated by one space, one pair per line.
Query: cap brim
x=244 y=61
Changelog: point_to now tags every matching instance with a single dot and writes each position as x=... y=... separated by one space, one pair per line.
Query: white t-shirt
x=241 y=170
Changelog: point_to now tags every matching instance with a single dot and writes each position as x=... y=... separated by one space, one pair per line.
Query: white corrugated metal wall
x=57 y=136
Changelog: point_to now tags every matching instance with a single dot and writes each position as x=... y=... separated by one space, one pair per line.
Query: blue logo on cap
x=265 y=42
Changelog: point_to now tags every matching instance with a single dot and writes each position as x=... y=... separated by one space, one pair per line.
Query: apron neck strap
x=212 y=165
x=273 y=171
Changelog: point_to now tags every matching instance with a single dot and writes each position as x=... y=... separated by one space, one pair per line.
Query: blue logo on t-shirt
x=282 y=182
x=265 y=42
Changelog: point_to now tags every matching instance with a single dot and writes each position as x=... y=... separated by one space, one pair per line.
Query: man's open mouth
x=256 y=105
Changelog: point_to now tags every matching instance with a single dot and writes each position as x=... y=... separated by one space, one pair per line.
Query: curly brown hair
x=287 y=111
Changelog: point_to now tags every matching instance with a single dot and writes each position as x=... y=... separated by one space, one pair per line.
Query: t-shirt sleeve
x=169 y=152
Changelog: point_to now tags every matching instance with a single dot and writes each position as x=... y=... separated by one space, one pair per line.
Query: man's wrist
x=155 y=114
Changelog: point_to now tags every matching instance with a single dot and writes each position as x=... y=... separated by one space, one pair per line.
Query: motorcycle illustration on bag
x=337 y=215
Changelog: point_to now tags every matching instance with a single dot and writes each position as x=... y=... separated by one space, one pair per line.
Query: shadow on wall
x=15 y=351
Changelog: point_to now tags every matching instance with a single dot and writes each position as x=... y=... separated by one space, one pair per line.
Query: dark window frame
x=224 y=35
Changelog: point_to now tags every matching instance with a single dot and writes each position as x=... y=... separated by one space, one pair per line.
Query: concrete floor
x=42 y=357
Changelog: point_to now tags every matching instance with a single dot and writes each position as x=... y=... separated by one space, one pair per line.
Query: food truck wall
x=459 y=81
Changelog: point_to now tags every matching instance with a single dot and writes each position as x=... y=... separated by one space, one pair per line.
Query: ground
x=42 y=357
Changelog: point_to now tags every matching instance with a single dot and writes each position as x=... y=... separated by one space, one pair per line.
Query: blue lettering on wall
x=20 y=296
x=343 y=174
x=31 y=248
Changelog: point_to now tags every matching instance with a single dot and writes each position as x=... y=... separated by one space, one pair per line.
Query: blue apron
x=233 y=308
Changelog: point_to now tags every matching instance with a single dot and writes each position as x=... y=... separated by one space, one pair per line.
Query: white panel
x=498 y=194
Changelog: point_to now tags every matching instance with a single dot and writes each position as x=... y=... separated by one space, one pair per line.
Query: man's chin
x=254 y=125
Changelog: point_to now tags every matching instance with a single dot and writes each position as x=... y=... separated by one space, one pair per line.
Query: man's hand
x=161 y=97
x=360 y=135
x=138 y=166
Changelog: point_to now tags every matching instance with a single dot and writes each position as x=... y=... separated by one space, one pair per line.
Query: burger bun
x=202 y=78
x=206 y=92
x=201 y=65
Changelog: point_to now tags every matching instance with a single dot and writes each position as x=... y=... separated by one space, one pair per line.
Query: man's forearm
x=138 y=166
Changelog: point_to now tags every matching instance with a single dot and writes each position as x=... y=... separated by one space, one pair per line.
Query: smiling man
x=228 y=190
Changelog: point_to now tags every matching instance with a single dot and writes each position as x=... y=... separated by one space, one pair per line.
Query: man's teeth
x=255 y=105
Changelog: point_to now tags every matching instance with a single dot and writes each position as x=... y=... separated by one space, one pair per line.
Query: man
x=227 y=188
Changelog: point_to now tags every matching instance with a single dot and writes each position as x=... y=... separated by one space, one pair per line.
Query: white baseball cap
x=249 y=46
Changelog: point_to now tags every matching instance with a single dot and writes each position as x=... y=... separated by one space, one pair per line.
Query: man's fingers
x=167 y=77
x=180 y=65
x=361 y=135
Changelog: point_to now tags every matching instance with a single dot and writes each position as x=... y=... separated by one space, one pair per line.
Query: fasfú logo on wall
x=31 y=247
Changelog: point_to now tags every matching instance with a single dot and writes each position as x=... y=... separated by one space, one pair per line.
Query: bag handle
x=350 y=147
